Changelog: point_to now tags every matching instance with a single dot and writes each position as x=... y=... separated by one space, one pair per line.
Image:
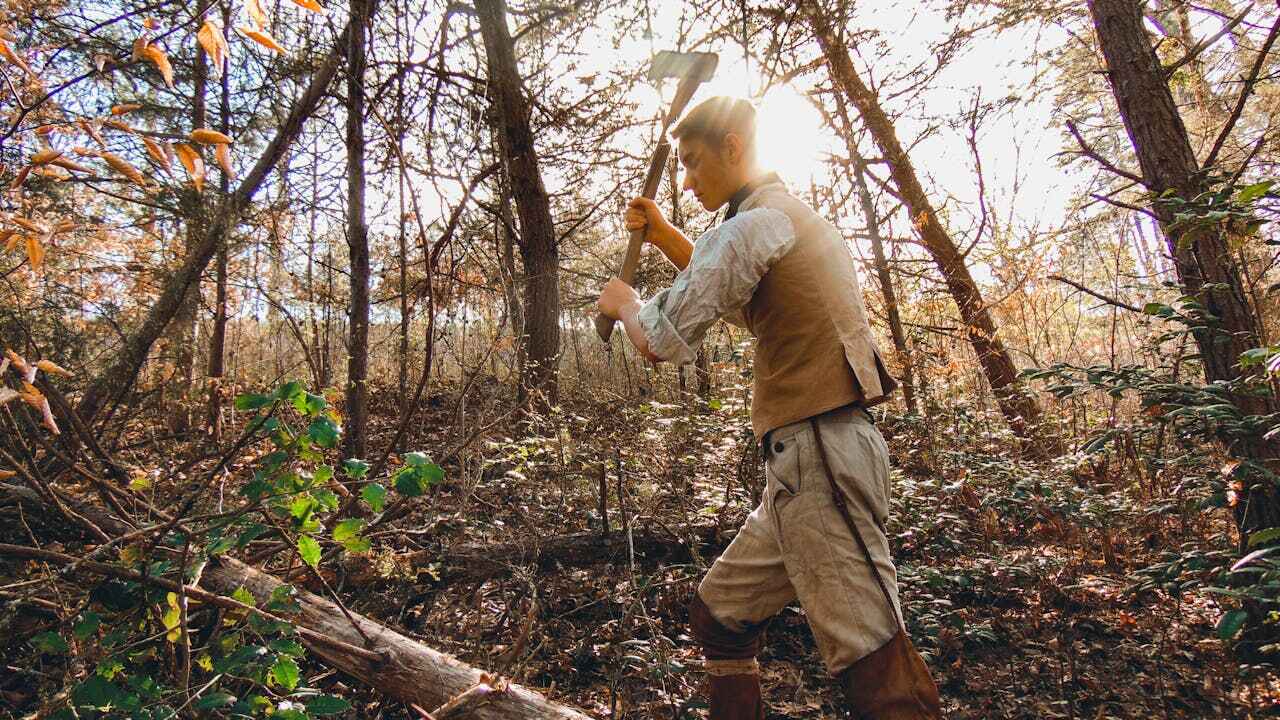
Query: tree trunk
x=538 y=248
x=357 y=410
x=218 y=336
x=1020 y=410
x=1201 y=256
x=182 y=328
x=114 y=382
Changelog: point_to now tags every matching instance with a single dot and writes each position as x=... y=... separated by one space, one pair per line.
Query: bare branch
x=1245 y=92
x=1089 y=152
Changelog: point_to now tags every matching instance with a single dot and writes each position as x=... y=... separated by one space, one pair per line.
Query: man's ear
x=733 y=149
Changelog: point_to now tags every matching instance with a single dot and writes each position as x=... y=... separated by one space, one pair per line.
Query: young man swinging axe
x=782 y=271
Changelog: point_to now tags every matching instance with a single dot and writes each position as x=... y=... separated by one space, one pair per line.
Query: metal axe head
x=697 y=66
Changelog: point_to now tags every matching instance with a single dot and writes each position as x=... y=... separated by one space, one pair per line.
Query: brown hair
x=714 y=118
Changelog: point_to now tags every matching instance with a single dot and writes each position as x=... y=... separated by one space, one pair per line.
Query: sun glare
x=790 y=133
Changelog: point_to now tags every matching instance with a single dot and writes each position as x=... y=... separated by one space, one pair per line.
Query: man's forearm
x=627 y=315
x=677 y=248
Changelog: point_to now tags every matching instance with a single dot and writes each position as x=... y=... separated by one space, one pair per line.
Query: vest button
x=777 y=447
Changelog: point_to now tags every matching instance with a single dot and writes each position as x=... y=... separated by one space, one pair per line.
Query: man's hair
x=714 y=118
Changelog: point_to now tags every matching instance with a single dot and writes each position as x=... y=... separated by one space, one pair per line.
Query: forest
x=305 y=410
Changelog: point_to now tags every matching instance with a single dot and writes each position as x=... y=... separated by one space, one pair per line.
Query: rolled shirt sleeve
x=727 y=264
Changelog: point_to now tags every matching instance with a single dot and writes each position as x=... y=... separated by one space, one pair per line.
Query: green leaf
x=96 y=692
x=50 y=643
x=323 y=474
x=1249 y=193
x=1263 y=537
x=357 y=545
x=374 y=494
x=308 y=404
x=416 y=459
x=244 y=596
x=1231 y=623
x=87 y=626
x=302 y=506
x=434 y=473
x=250 y=534
x=288 y=647
x=285 y=672
x=290 y=391
x=327 y=705
x=408 y=483
x=355 y=468
x=309 y=549
x=324 y=432
x=715 y=403
x=215 y=700
x=252 y=401
x=348 y=529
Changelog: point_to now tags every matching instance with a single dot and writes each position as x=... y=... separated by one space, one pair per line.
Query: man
x=777 y=268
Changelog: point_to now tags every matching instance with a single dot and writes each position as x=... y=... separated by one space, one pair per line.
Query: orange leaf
x=125 y=108
x=47 y=415
x=214 y=43
x=161 y=61
x=193 y=162
x=53 y=368
x=91 y=129
x=45 y=156
x=256 y=13
x=223 y=153
x=31 y=225
x=158 y=154
x=14 y=58
x=139 y=48
x=261 y=37
x=120 y=125
x=70 y=165
x=205 y=136
x=35 y=252
x=21 y=178
x=123 y=167
x=6 y=474
x=311 y=5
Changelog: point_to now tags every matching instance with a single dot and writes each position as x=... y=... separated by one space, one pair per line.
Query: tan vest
x=815 y=350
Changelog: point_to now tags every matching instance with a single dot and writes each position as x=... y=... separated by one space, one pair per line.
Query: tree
x=537 y=235
x=1020 y=410
x=1201 y=252
x=357 y=234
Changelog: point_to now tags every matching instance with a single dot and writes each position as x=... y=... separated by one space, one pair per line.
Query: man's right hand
x=643 y=213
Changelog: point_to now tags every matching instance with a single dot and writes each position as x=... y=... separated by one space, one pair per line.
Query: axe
x=693 y=69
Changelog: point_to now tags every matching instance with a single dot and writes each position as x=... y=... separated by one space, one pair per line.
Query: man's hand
x=644 y=213
x=616 y=296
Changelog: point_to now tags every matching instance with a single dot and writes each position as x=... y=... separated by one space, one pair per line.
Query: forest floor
x=1022 y=583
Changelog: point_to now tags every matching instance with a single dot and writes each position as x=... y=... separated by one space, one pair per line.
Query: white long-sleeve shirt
x=728 y=263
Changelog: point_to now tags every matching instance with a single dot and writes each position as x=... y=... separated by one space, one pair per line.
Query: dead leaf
x=21 y=178
x=14 y=58
x=45 y=156
x=161 y=61
x=53 y=368
x=120 y=125
x=123 y=167
x=205 y=136
x=214 y=43
x=6 y=474
x=311 y=5
x=261 y=37
x=47 y=415
x=12 y=242
x=256 y=13
x=223 y=153
x=35 y=252
x=125 y=108
x=158 y=154
x=70 y=165
x=193 y=162
x=91 y=129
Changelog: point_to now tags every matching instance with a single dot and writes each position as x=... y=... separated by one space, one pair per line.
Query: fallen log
x=460 y=563
x=412 y=672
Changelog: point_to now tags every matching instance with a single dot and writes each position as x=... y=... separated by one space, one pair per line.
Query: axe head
x=698 y=66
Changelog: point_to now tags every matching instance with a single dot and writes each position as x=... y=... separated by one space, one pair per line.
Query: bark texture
x=1201 y=256
x=357 y=395
x=537 y=238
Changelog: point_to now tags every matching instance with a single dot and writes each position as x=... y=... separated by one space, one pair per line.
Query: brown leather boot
x=734 y=696
x=891 y=683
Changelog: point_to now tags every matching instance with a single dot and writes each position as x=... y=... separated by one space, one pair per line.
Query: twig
x=1089 y=152
x=1245 y=92
x=1203 y=45
x=1096 y=294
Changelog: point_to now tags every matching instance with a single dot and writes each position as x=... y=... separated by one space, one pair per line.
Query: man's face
x=709 y=171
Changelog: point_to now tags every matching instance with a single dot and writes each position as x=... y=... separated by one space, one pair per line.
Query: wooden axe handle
x=631 y=260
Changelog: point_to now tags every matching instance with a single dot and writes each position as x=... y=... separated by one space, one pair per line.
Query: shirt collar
x=745 y=191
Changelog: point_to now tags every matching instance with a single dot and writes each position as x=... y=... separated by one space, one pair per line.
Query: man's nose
x=688 y=182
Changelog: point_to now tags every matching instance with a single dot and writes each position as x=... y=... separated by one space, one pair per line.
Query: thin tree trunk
x=1020 y=410
x=218 y=336
x=357 y=395
x=538 y=247
x=116 y=381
